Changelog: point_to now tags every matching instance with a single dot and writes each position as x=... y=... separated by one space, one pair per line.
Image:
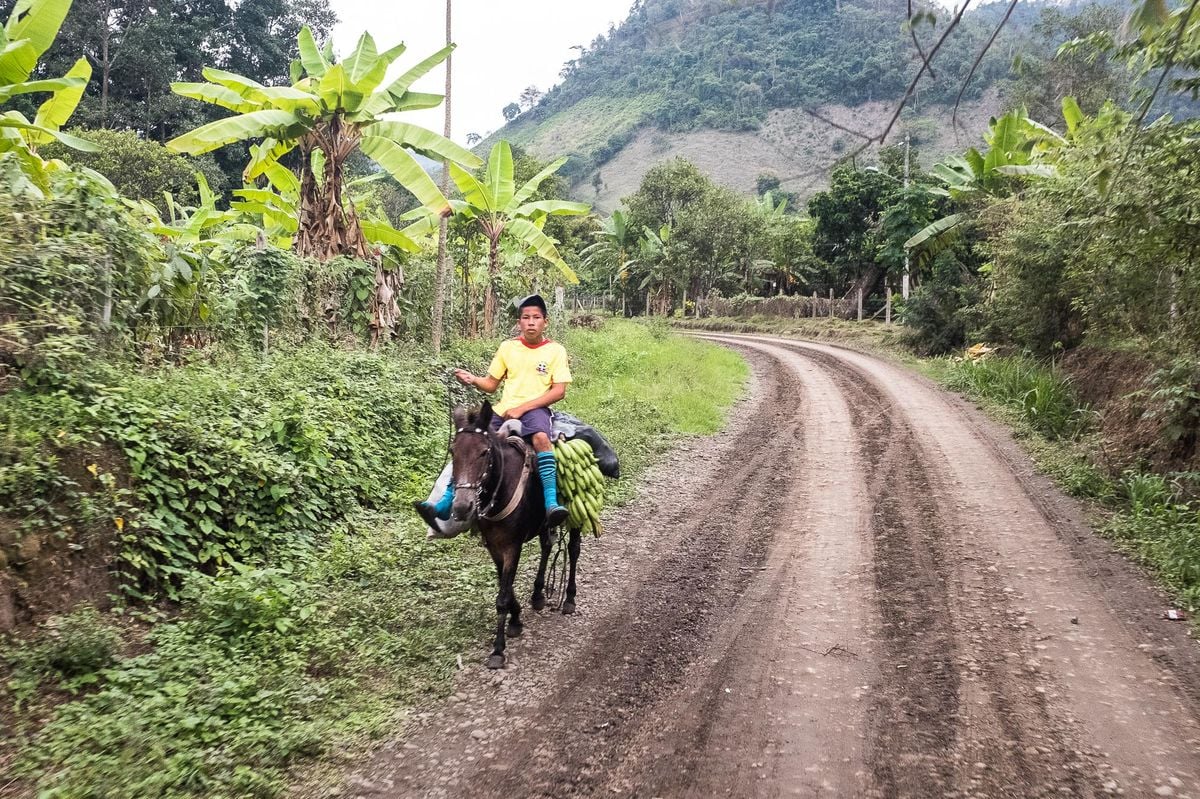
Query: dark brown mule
x=496 y=483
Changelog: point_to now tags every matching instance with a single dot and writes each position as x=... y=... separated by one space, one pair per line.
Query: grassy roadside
x=1153 y=518
x=263 y=668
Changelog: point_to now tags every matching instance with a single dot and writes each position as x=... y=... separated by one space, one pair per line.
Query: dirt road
x=859 y=589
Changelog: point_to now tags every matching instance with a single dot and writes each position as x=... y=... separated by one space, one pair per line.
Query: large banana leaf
x=935 y=232
x=14 y=119
x=55 y=112
x=383 y=233
x=216 y=94
x=36 y=22
x=385 y=99
x=530 y=236
x=423 y=141
x=426 y=221
x=1072 y=114
x=532 y=185
x=337 y=92
x=418 y=101
x=33 y=86
x=370 y=82
x=498 y=182
x=472 y=191
x=245 y=87
x=362 y=62
x=283 y=179
x=256 y=124
x=405 y=169
x=288 y=98
x=261 y=155
x=310 y=55
x=553 y=208
x=265 y=196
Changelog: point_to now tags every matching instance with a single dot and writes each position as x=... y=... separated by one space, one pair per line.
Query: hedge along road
x=860 y=588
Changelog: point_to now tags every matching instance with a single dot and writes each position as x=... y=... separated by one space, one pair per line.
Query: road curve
x=859 y=589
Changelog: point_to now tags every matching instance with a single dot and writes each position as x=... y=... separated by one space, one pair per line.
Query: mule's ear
x=459 y=417
x=485 y=416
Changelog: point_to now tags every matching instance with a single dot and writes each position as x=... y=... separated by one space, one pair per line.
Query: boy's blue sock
x=548 y=470
x=442 y=508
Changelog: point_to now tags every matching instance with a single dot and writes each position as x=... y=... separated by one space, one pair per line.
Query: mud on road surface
x=859 y=589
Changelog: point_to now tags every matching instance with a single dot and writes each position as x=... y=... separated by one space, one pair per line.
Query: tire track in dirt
x=959 y=698
x=775 y=704
x=1065 y=688
x=567 y=741
x=848 y=593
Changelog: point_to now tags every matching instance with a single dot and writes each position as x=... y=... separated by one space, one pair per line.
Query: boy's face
x=533 y=324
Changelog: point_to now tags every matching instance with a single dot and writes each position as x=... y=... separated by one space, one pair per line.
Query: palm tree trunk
x=441 y=278
x=489 y=300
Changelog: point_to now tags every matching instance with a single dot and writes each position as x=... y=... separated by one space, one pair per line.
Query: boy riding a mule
x=535 y=374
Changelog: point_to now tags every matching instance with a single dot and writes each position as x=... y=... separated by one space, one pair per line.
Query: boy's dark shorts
x=536 y=421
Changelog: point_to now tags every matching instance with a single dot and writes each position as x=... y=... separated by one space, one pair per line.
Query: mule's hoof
x=514 y=630
x=495 y=662
x=568 y=608
x=538 y=602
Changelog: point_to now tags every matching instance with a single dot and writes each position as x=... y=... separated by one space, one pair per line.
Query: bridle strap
x=518 y=494
x=491 y=459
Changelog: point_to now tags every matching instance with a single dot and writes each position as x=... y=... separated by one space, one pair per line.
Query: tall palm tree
x=443 y=254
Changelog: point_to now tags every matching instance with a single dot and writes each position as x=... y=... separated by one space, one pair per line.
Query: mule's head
x=471 y=454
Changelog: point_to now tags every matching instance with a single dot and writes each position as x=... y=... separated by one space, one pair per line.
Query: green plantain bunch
x=580 y=485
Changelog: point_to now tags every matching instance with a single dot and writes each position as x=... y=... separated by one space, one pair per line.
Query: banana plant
x=29 y=31
x=615 y=245
x=1017 y=146
x=501 y=210
x=330 y=110
x=657 y=262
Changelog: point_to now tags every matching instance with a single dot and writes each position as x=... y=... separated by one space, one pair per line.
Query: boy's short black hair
x=532 y=301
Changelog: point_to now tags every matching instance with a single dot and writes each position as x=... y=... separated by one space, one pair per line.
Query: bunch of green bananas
x=580 y=485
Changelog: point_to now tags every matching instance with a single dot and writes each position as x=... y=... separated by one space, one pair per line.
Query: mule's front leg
x=539 y=585
x=506 y=604
x=573 y=552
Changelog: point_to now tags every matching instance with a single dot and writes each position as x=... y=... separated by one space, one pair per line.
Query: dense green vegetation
x=681 y=65
x=1152 y=515
x=209 y=571
x=265 y=495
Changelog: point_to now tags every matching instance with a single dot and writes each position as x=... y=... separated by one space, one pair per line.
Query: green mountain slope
x=731 y=84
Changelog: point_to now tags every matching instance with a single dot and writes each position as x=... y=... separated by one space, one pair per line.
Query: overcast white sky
x=503 y=46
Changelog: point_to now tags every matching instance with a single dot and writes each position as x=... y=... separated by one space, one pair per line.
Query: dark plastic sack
x=568 y=426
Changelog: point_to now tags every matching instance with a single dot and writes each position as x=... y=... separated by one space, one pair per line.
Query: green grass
x=267 y=668
x=1039 y=393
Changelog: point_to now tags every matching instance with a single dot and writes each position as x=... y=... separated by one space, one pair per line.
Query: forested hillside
x=784 y=87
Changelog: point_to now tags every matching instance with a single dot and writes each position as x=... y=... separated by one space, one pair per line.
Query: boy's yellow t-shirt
x=528 y=372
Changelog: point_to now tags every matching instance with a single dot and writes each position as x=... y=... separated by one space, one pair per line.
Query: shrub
x=1163 y=530
x=1041 y=395
x=141 y=169
x=69 y=646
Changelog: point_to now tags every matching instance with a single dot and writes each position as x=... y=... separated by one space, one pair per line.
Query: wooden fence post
x=814 y=305
x=831 y=303
x=887 y=303
x=860 y=303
